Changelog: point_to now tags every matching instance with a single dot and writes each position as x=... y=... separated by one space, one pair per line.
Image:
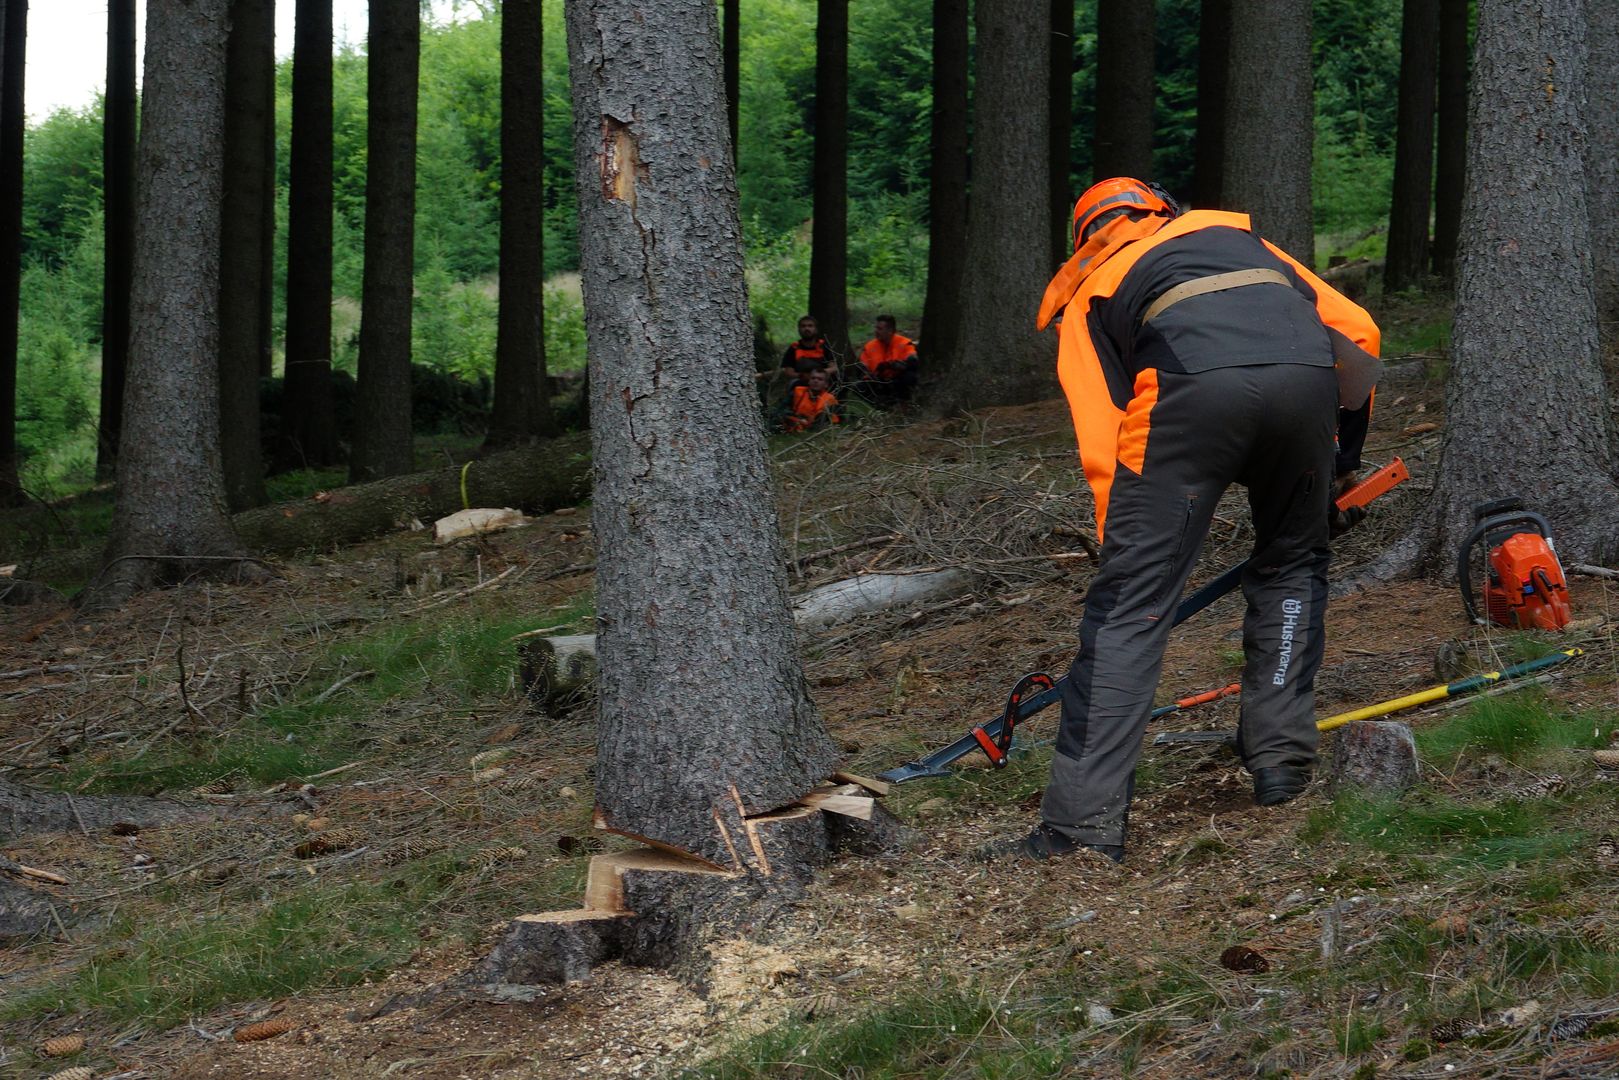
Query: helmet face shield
x=1111 y=199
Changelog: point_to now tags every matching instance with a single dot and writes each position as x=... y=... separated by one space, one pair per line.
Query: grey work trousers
x=1269 y=427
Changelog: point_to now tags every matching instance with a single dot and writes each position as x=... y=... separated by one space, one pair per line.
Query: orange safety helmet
x=1119 y=195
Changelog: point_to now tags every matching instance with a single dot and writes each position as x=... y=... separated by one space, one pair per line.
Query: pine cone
x=1539 y=789
x=1608 y=759
x=264 y=1029
x=1607 y=848
x=1244 y=958
x=220 y=786
x=519 y=784
x=494 y=856
x=490 y=757
x=1451 y=1030
x=77 y=1072
x=62 y=1045
x=1569 y=1027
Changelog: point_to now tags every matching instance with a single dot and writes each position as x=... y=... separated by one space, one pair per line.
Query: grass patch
x=1518 y=727
x=1481 y=832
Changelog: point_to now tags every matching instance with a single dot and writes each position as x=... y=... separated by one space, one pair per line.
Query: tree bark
x=1524 y=290
x=1450 y=175
x=829 y=233
x=310 y=426
x=947 y=187
x=1270 y=122
x=1125 y=89
x=13 y=119
x=1407 y=259
x=522 y=408
x=733 y=68
x=1061 y=113
x=1003 y=360
x=382 y=431
x=1602 y=168
x=691 y=590
x=118 y=228
x=245 y=236
x=1213 y=68
x=171 y=489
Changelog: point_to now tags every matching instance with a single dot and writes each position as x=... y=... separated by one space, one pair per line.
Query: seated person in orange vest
x=809 y=353
x=810 y=405
x=890 y=366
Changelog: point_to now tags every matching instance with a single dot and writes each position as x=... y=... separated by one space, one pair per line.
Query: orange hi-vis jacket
x=900 y=350
x=1123 y=322
x=806 y=407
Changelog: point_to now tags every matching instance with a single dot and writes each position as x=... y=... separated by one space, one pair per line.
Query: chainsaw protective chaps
x=1269 y=427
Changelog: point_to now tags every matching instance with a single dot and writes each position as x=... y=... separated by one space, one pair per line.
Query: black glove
x=1341 y=521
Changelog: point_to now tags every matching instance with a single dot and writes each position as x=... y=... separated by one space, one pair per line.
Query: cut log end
x=1373 y=755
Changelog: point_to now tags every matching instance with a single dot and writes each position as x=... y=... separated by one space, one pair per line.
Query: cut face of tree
x=1004 y=360
x=704 y=716
x=171 y=495
x=1270 y=122
x=1526 y=407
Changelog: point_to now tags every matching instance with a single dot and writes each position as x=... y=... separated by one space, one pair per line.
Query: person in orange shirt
x=809 y=353
x=810 y=405
x=1195 y=355
x=888 y=366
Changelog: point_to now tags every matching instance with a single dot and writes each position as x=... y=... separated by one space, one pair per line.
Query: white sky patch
x=67 y=45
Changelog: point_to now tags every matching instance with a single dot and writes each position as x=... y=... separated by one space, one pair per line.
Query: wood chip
x=876 y=787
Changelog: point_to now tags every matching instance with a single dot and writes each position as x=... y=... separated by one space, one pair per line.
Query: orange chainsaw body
x=1526 y=589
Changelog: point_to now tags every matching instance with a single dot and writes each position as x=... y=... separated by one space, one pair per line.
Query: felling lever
x=1037 y=690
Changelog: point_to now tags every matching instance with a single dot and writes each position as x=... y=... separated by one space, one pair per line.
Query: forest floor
x=1468 y=928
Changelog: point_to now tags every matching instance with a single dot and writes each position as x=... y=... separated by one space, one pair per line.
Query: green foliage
x=61 y=183
x=57 y=356
x=1481 y=832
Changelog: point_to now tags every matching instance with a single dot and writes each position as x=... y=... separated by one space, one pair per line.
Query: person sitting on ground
x=809 y=353
x=810 y=405
x=889 y=364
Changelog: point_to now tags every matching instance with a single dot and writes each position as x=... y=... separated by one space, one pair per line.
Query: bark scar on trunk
x=622 y=169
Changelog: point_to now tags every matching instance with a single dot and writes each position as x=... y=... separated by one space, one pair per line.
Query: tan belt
x=1236 y=279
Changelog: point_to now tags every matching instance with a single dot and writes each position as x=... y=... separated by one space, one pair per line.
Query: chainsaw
x=1036 y=691
x=1524 y=585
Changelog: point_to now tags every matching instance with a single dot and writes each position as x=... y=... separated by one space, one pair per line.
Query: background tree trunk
x=947 y=187
x=1602 y=168
x=1213 y=67
x=382 y=429
x=1061 y=109
x=1003 y=360
x=1125 y=89
x=522 y=408
x=1451 y=173
x=171 y=491
x=733 y=68
x=244 y=239
x=13 y=47
x=829 y=240
x=1270 y=122
x=1525 y=411
x=1407 y=259
x=118 y=227
x=307 y=418
x=704 y=715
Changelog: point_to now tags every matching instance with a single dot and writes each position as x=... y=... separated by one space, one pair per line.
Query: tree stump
x=1373 y=755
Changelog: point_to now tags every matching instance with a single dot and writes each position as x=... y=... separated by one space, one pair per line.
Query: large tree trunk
x=1270 y=122
x=1061 y=114
x=1525 y=410
x=308 y=423
x=1125 y=89
x=169 y=521
x=245 y=237
x=947 y=187
x=13 y=41
x=1213 y=68
x=522 y=408
x=1450 y=175
x=733 y=68
x=1407 y=259
x=118 y=227
x=704 y=715
x=382 y=430
x=829 y=233
x=1003 y=359
x=1602 y=167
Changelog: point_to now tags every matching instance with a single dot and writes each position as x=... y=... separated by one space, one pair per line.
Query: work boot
x=1042 y=844
x=1279 y=784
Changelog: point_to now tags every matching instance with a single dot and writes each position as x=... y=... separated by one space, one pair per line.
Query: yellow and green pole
x=1449 y=690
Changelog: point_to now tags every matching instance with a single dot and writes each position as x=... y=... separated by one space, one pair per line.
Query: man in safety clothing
x=809 y=405
x=888 y=366
x=1195 y=355
x=809 y=353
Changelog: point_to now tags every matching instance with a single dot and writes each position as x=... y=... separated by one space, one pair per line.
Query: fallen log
x=25 y=810
x=535 y=478
x=843 y=600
